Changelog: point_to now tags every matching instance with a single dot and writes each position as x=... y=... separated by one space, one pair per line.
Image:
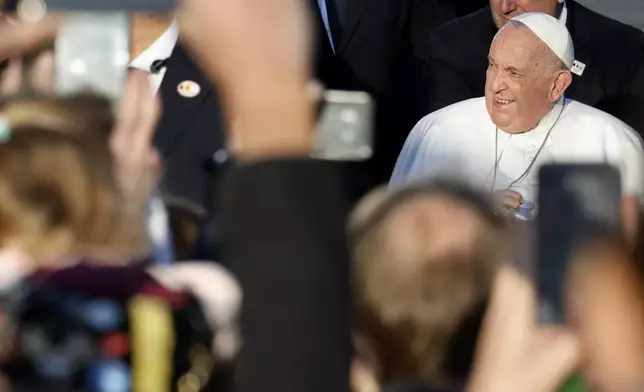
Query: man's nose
x=508 y=6
x=497 y=81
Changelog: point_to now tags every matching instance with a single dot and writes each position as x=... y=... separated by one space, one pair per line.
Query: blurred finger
x=557 y=354
x=609 y=314
x=11 y=79
x=24 y=37
x=511 y=203
x=513 y=303
x=128 y=110
x=149 y=112
x=512 y=197
x=314 y=91
x=42 y=74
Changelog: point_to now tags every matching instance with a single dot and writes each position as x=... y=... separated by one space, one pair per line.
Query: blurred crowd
x=185 y=239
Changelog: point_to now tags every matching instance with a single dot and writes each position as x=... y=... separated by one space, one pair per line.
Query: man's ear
x=562 y=81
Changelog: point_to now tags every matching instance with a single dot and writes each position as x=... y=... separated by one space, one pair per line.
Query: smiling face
x=524 y=79
x=504 y=10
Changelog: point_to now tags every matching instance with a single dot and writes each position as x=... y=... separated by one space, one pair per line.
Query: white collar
x=161 y=49
x=563 y=17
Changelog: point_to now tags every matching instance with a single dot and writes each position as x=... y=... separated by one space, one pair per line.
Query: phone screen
x=345 y=127
x=92 y=53
x=577 y=203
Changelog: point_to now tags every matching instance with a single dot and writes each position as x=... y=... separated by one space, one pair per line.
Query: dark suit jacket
x=283 y=225
x=466 y=7
x=190 y=133
x=376 y=51
x=612 y=51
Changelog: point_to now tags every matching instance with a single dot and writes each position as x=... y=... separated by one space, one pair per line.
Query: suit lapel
x=178 y=111
x=581 y=38
x=354 y=11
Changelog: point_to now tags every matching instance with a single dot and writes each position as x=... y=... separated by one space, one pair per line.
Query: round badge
x=188 y=89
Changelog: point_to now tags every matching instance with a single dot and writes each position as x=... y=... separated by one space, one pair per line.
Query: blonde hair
x=411 y=303
x=81 y=114
x=58 y=194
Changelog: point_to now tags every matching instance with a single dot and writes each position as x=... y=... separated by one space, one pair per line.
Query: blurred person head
x=525 y=77
x=504 y=10
x=424 y=258
x=606 y=306
x=57 y=187
x=81 y=114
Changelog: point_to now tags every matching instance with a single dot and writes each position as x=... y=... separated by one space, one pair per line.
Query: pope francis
x=498 y=141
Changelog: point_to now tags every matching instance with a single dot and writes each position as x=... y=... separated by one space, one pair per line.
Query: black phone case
x=577 y=203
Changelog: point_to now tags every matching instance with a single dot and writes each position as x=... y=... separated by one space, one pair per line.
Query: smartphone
x=577 y=203
x=345 y=127
x=92 y=53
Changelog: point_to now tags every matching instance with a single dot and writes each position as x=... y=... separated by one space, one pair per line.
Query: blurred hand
x=17 y=38
x=508 y=199
x=257 y=53
x=137 y=162
x=40 y=76
x=254 y=43
x=607 y=308
x=514 y=353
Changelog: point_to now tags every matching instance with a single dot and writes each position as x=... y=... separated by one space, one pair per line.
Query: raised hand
x=251 y=41
x=257 y=53
x=137 y=162
x=514 y=353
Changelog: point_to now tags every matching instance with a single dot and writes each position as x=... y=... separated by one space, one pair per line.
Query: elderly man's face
x=504 y=10
x=517 y=88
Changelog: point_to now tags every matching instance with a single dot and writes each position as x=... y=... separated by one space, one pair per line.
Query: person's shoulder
x=589 y=120
x=610 y=29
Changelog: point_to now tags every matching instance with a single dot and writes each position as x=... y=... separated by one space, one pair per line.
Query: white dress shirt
x=459 y=141
x=158 y=221
x=161 y=49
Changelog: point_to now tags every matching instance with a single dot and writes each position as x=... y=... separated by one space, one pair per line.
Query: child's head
x=58 y=195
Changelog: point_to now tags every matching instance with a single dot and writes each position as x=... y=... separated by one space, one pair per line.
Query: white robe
x=458 y=142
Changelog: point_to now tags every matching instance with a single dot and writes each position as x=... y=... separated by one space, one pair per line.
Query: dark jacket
x=378 y=48
x=190 y=134
x=283 y=227
x=613 y=52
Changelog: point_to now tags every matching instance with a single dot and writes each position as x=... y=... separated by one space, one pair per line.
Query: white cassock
x=459 y=142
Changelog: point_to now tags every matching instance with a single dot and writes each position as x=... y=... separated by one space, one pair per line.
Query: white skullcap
x=552 y=32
